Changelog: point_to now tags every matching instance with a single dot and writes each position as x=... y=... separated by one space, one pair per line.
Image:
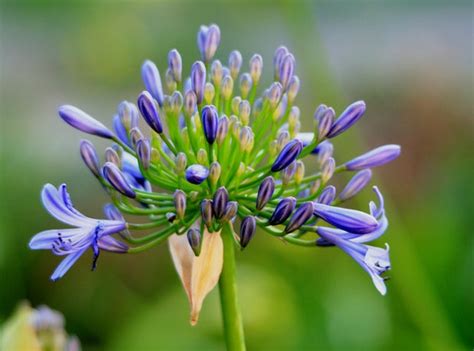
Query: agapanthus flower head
x=220 y=151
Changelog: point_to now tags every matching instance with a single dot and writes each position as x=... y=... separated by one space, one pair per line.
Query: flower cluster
x=220 y=150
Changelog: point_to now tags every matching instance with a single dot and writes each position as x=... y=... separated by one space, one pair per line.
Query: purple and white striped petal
x=350 y=220
x=82 y=121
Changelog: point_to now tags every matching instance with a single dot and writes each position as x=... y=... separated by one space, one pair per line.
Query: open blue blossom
x=73 y=242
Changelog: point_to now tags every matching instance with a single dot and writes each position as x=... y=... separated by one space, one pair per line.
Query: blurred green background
x=411 y=61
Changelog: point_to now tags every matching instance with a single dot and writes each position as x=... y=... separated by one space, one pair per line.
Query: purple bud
x=347 y=118
x=287 y=68
x=320 y=110
x=120 y=130
x=247 y=230
x=171 y=217
x=256 y=67
x=324 y=150
x=175 y=64
x=325 y=122
x=374 y=158
x=222 y=129
x=282 y=211
x=293 y=88
x=280 y=53
x=352 y=221
x=111 y=212
x=198 y=80
x=144 y=152
x=289 y=153
x=208 y=41
x=194 y=239
x=356 y=184
x=152 y=80
x=196 y=174
x=190 y=102
x=210 y=121
x=274 y=94
x=265 y=192
x=128 y=113
x=206 y=212
x=327 y=195
x=235 y=62
x=136 y=135
x=230 y=211
x=327 y=170
x=89 y=156
x=300 y=217
x=82 y=121
x=117 y=179
x=150 y=111
x=180 y=203
x=219 y=203
x=112 y=156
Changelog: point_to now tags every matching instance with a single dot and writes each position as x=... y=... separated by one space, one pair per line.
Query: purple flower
x=347 y=118
x=117 y=179
x=206 y=212
x=235 y=62
x=210 y=122
x=219 y=203
x=180 y=203
x=350 y=220
x=374 y=158
x=194 y=239
x=300 y=217
x=287 y=68
x=327 y=195
x=196 y=174
x=73 y=242
x=152 y=80
x=325 y=122
x=356 y=184
x=82 y=121
x=120 y=130
x=150 y=111
x=289 y=153
x=175 y=64
x=144 y=152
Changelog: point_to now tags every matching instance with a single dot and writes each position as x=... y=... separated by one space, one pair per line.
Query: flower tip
x=80 y=120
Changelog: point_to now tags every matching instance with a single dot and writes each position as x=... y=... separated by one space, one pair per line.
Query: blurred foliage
x=411 y=62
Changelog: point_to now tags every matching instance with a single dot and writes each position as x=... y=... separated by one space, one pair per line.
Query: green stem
x=233 y=327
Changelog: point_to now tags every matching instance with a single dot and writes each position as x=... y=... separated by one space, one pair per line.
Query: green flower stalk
x=222 y=157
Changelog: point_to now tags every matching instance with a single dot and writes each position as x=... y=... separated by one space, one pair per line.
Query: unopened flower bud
x=196 y=174
x=219 y=203
x=247 y=230
x=280 y=53
x=216 y=73
x=374 y=158
x=347 y=118
x=280 y=110
x=176 y=102
x=314 y=188
x=274 y=94
x=287 y=68
x=245 y=137
x=208 y=41
x=256 y=67
x=325 y=122
x=175 y=64
x=89 y=156
x=265 y=192
x=222 y=129
x=135 y=135
x=209 y=93
x=227 y=87
x=282 y=211
x=293 y=88
x=144 y=152
x=180 y=203
x=300 y=217
x=83 y=122
x=327 y=195
x=210 y=120
x=353 y=221
x=287 y=155
x=202 y=157
x=112 y=156
x=299 y=172
x=198 y=80
x=149 y=111
x=245 y=85
x=194 y=239
x=190 y=102
x=356 y=184
x=152 y=80
x=324 y=150
x=235 y=62
x=214 y=172
x=128 y=114
x=117 y=179
x=288 y=173
x=327 y=170
x=181 y=161
x=170 y=216
x=206 y=212
x=283 y=139
x=170 y=83
x=230 y=211
x=244 y=112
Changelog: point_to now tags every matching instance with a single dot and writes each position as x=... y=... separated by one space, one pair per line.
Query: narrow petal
x=66 y=263
x=111 y=244
x=45 y=239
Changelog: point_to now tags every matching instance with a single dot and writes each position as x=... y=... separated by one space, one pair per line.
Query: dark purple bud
x=282 y=211
x=300 y=217
x=327 y=195
x=210 y=121
x=180 y=203
x=194 y=239
x=376 y=157
x=352 y=221
x=219 y=203
x=152 y=80
x=175 y=64
x=289 y=153
x=287 y=68
x=144 y=152
x=198 y=80
x=149 y=111
x=171 y=217
x=82 y=121
x=89 y=156
x=247 y=230
x=347 y=118
x=265 y=192
x=230 y=211
x=196 y=174
x=356 y=184
x=206 y=212
x=116 y=178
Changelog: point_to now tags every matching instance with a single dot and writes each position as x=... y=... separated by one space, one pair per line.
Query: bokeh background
x=411 y=61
